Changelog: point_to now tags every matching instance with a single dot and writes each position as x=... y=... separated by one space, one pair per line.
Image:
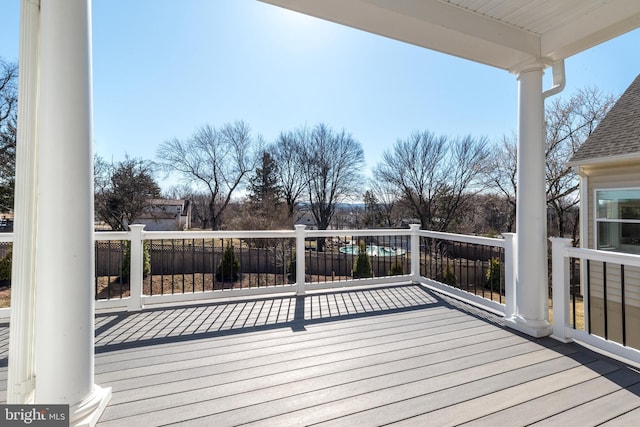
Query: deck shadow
x=624 y=375
x=155 y=326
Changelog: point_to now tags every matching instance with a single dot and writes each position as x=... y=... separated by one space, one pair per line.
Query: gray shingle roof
x=618 y=134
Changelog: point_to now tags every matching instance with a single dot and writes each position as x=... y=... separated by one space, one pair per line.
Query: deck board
x=399 y=354
x=600 y=410
x=567 y=397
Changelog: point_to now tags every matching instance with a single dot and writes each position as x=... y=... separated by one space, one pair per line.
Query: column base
x=534 y=328
x=88 y=412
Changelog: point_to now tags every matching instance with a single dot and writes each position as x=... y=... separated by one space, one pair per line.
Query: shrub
x=5 y=267
x=126 y=261
x=492 y=278
x=449 y=276
x=397 y=269
x=229 y=266
x=362 y=268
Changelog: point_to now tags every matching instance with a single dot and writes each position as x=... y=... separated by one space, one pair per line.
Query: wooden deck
x=400 y=355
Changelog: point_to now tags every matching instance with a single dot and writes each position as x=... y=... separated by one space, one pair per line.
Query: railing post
x=415 y=253
x=300 y=259
x=510 y=274
x=560 y=287
x=136 y=269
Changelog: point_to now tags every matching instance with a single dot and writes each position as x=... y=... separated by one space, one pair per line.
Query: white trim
x=607 y=220
x=487 y=241
x=469 y=298
x=601 y=161
x=359 y=283
x=604 y=256
x=606 y=347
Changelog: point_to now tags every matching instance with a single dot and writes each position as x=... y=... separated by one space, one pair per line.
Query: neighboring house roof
x=617 y=137
x=165 y=209
x=168 y=202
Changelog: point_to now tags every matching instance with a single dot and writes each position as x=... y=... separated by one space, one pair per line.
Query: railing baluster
x=588 y=296
x=96 y=246
x=573 y=291
x=623 y=306
x=183 y=264
x=172 y=265
x=604 y=293
x=193 y=265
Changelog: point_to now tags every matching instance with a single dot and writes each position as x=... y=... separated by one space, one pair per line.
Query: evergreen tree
x=123 y=191
x=372 y=210
x=264 y=186
x=362 y=268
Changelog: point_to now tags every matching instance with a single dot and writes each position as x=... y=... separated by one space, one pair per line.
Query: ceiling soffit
x=505 y=34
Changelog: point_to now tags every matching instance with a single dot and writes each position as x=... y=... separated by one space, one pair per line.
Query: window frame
x=597 y=220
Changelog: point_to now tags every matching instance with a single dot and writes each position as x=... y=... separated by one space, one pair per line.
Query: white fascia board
x=604 y=161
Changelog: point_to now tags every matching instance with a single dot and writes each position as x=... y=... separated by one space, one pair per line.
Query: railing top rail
x=478 y=240
x=604 y=256
x=208 y=234
x=366 y=232
x=112 y=235
x=257 y=234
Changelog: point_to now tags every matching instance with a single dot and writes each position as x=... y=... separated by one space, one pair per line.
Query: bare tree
x=435 y=175
x=414 y=168
x=123 y=190
x=467 y=163
x=8 y=90
x=502 y=175
x=8 y=131
x=216 y=161
x=387 y=198
x=286 y=153
x=569 y=123
x=332 y=162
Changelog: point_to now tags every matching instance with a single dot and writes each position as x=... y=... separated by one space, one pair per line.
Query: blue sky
x=162 y=68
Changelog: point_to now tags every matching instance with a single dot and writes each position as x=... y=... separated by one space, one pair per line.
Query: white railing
x=602 y=301
x=301 y=285
x=412 y=256
x=502 y=302
x=609 y=284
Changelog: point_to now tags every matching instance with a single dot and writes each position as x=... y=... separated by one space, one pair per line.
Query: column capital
x=534 y=65
x=530 y=68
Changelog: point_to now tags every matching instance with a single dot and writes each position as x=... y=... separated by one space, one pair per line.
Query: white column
x=65 y=257
x=531 y=315
x=21 y=370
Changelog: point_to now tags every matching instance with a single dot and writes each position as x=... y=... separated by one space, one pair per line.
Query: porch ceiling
x=505 y=34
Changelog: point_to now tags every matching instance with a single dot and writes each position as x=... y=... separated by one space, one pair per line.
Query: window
x=618 y=220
